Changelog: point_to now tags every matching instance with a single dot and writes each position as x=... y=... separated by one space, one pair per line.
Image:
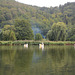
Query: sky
x=45 y=3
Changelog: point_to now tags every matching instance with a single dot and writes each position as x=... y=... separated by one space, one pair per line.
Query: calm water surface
x=52 y=60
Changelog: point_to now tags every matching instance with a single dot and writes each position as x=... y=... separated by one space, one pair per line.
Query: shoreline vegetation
x=32 y=42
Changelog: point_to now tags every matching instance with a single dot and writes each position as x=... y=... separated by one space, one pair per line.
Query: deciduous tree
x=8 y=33
x=23 y=30
x=57 y=32
x=38 y=36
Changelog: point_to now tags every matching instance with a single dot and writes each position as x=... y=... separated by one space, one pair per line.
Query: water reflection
x=53 y=60
x=38 y=55
x=25 y=45
x=74 y=47
x=41 y=46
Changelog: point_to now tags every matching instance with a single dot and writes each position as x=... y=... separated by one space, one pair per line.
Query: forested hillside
x=41 y=18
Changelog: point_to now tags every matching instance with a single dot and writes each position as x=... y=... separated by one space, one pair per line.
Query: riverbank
x=31 y=42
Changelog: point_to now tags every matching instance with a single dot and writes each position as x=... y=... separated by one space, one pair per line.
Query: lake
x=52 y=60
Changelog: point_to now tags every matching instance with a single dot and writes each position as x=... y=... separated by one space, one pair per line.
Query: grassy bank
x=22 y=42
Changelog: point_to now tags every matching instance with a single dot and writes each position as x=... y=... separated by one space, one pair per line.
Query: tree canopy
x=38 y=36
x=8 y=33
x=57 y=32
x=23 y=30
x=39 y=17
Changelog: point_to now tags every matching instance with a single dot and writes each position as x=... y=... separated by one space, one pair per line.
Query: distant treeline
x=38 y=17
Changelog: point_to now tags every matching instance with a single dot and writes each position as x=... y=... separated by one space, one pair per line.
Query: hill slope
x=41 y=18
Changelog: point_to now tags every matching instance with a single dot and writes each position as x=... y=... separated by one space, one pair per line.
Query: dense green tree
x=72 y=38
x=38 y=36
x=8 y=33
x=0 y=36
x=71 y=33
x=23 y=30
x=12 y=35
x=57 y=32
x=8 y=16
x=2 y=18
x=40 y=17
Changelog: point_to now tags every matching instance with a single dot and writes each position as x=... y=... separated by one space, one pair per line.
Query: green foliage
x=8 y=33
x=23 y=30
x=57 y=32
x=38 y=36
x=2 y=18
x=40 y=17
x=0 y=36
x=12 y=35
x=30 y=42
x=72 y=38
x=71 y=33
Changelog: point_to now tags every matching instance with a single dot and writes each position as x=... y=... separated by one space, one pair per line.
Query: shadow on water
x=52 y=60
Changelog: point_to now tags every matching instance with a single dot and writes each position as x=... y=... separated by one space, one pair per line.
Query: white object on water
x=41 y=46
x=26 y=45
x=74 y=46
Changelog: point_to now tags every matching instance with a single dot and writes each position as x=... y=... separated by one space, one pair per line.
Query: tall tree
x=8 y=33
x=23 y=30
x=71 y=33
x=57 y=32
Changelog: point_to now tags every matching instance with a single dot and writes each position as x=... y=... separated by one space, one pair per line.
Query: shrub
x=38 y=36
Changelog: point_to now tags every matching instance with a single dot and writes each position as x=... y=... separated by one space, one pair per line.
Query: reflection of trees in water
x=57 y=54
x=7 y=61
x=61 y=59
x=23 y=59
x=71 y=52
x=39 y=55
x=14 y=60
x=54 y=60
